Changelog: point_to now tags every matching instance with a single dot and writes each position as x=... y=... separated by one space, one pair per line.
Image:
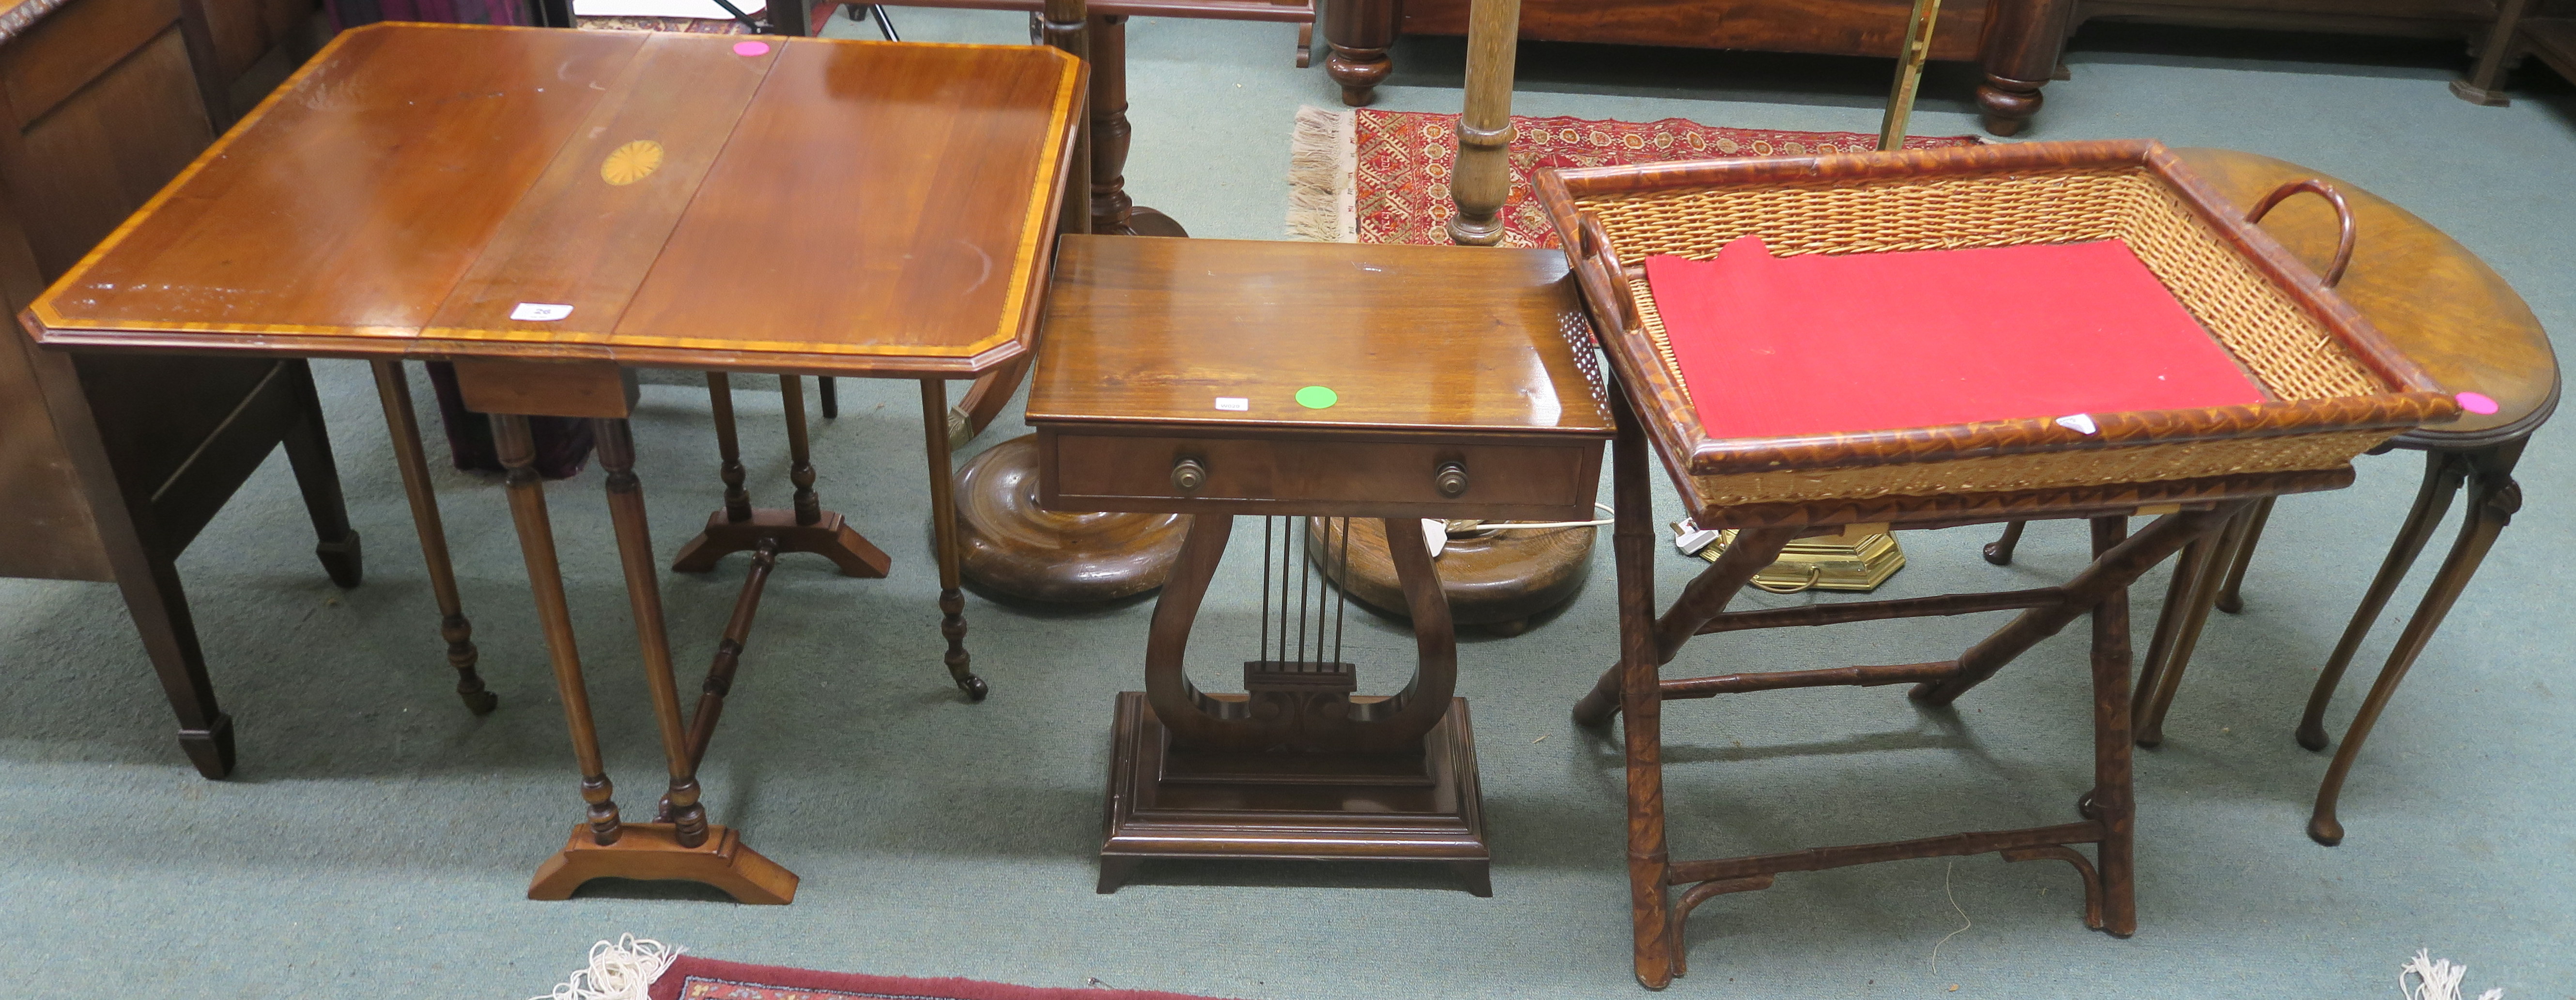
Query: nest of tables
x=2331 y=388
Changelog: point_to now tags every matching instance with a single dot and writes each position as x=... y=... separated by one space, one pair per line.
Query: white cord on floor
x=623 y=970
x=1964 y=922
x=2436 y=979
x=1536 y=525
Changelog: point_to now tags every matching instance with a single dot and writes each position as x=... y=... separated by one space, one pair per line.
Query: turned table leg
x=739 y=527
x=1482 y=180
x=1112 y=212
x=2022 y=45
x=518 y=453
x=652 y=639
x=1359 y=33
x=944 y=539
x=404 y=425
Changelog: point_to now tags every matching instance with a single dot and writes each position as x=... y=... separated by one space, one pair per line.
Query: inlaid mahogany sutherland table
x=550 y=209
x=2328 y=387
x=1296 y=380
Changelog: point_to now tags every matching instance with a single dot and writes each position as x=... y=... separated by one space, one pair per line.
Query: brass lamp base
x=1859 y=559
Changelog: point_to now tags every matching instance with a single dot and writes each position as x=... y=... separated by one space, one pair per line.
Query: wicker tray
x=2334 y=387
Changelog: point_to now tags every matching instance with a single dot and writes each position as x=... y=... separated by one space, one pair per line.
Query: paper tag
x=1236 y=404
x=539 y=312
x=2081 y=423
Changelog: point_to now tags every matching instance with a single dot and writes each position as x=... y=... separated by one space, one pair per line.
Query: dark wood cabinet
x=110 y=466
x=2017 y=43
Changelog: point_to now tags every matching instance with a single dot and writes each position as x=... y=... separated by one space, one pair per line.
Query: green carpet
x=376 y=840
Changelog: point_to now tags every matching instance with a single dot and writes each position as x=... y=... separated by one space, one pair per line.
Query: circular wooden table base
x=1014 y=548
x=1499 y=580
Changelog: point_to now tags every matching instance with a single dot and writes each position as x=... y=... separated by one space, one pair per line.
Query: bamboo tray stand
x=2333 y=388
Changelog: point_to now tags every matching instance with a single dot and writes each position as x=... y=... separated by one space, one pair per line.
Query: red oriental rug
x=1369 y=176
x=694 y=978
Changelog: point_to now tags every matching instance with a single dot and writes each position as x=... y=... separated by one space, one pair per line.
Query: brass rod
x=1909 y=73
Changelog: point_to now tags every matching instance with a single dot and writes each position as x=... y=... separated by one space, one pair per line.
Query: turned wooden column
x=1112 y=212
x=1359 y=33
x=2024 y=39
x=1482 y=180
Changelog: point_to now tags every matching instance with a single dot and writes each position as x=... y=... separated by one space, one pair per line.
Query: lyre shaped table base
x=1298 y=768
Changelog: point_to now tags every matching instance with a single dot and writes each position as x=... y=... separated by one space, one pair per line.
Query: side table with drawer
x=1295 y=381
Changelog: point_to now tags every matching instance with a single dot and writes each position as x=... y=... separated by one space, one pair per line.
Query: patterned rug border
x=1333 y=149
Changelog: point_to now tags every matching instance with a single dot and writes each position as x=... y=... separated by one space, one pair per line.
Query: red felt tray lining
x=1826 y=343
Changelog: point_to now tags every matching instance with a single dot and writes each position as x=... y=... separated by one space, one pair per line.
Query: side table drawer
x=1508 y=477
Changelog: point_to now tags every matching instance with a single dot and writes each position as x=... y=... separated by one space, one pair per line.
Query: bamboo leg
x=518 y=452
x=2220 y=552
x=2111 y=572
x=644 y=594
x=403 y=424
x=1705 y=597
x=1640 y=695
x=1482 y=179
x=800 y=460
x=2494 y=497
x=943 y=527
x=2113 y=801
x=2231 y=597
x=728 y=447
x=2443 y=474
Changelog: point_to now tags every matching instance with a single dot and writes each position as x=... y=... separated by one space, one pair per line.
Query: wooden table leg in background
x=404 y=426
x=1359 y=33
x=317 y=476
x=1482 y=180
x=2485 y=83
x=991 y=499
x=806 y=528
x=1112 y=212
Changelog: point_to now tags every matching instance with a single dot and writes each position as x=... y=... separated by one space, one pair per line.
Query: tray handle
x=2343 y=216
x=1597 y=254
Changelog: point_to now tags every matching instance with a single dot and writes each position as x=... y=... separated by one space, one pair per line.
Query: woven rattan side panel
x=2270 y=335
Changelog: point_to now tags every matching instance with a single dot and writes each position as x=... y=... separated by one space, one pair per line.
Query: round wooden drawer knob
x=1189 y=475
x=1452 y=479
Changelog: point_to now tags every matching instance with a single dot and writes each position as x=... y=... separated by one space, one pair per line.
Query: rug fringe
x=1323 y=172
x=623 y=970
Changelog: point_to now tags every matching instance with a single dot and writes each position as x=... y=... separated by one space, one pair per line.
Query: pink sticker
x=2476 y=402
x=751 y=48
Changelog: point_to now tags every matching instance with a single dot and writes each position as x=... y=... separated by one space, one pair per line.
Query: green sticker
x=1316 y=397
